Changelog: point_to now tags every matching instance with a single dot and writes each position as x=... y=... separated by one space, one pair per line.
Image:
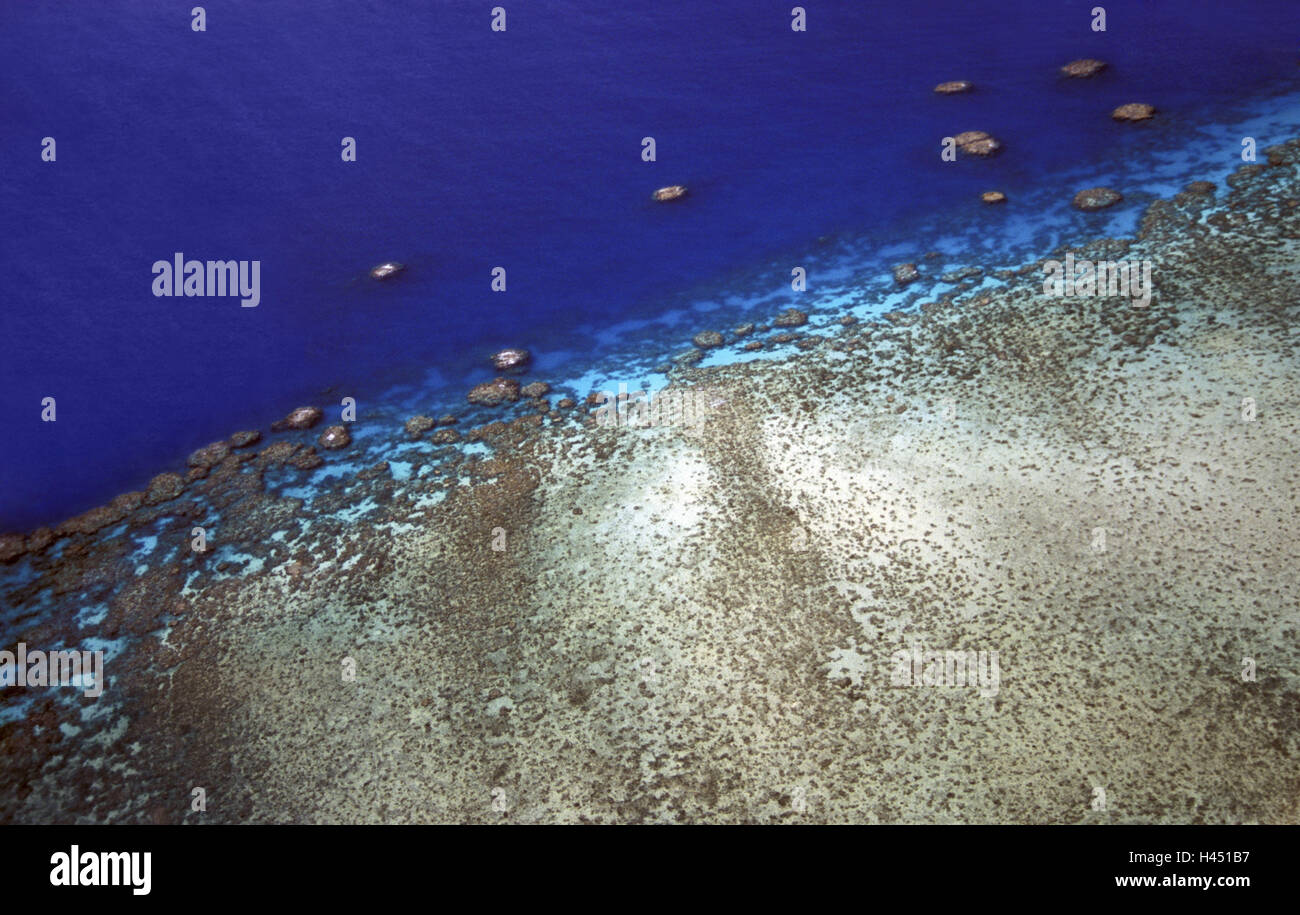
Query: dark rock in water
x=1083 y=69
x=1133 y=111
x=1246 y=175
x=209 y=455
x=1096 y=198
x=993 y=197
x=447 y=420
x=954 y=87
x=163 y=488
x=791 y=317
x=690 y=357
x=380 y=471
x=707 y=339
x=300 y=418
x=306 y=459
x=672 y=192
x=536 y=389
x=11 y=547
x=41 y=538
x=977 y=143
x=1283 y=154
x=91 y=521
x=965 y=273
x=784 y=337
x=386 y=269
x=277 y=452
x=335 y=437
x=445 y=437
x=566 y=403
x=495 y=392
x=906 y=273
x=127 y=502
x=511 y=360
x=482 y=433
x=752 y=347
x=418 y=425
x=244 y=439
x=744 y=330
x=1201 y=187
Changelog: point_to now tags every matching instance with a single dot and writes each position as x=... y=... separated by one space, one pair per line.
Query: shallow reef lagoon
x=522 y=149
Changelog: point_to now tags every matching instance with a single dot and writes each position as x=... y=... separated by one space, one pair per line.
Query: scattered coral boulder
x=91 y=521
x=244 y=438
x=306 y=459
x=707 y=339
x=536 y=389
x=299 y=418
x=672 y=192
x=906 y=273
x=513 y=359
x=978 y=143
x=127 y=502
x=163 y=488
x=445 y=437
x=208 y=455
x=11 y=547
x=791 y=317
x=386 y=269
x=277 y=452
x=1134 y=111
x=954 y=87
x=961 y=274
x=494 y=393
x=335 y=437
x=993 y=197
x=1083 y=68
x=1096 y=198
x=418 y=425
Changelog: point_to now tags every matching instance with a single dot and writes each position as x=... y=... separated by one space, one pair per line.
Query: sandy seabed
x=699 y=622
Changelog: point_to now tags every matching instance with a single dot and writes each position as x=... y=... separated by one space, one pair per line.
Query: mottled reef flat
x=698 y=622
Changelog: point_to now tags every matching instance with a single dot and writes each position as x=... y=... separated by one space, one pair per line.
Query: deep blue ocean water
x=478 y=149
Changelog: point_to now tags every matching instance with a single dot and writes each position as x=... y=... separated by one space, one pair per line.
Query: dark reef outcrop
x=1084 y=68
x=299 y=418
x=494 y=393
x=1096 y=198
x=512 y=359
x=978 y=143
